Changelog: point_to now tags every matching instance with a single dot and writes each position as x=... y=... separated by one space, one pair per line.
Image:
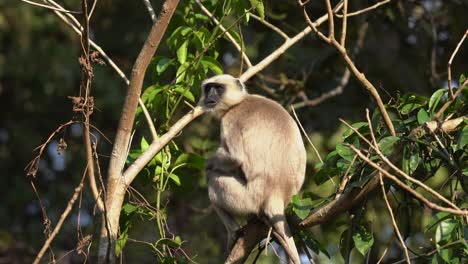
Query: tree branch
x=116 y=185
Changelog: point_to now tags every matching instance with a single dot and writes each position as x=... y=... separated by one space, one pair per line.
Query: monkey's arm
x=223 y=163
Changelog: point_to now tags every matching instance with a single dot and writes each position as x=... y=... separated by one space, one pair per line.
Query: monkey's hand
x=222 y=162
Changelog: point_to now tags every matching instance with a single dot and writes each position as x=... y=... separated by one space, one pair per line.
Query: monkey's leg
x=230 y=223
x=274 y=211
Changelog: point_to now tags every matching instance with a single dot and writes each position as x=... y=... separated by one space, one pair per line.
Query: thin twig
x=364 y=10
x=451 y=100
x=307 y=136
x=150 y=10
x=331 y=22
x=325 y=96
x=360 y=76
x=62 y=10
x=345 y=179
x=72 y=22
x=390 y=240
x=62 y=218
x=269 y=25
x=392 y=217
x=286 y=45
x=405 y=187
x=449 y=64
x=228 y=35
x=398 y=170
x=345 y=20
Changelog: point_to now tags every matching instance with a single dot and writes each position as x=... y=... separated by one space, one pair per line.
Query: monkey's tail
x=274 y=213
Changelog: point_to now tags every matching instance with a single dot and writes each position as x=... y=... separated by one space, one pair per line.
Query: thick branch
x=116 y=186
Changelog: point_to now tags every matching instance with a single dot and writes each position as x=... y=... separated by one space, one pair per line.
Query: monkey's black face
x=213 y=94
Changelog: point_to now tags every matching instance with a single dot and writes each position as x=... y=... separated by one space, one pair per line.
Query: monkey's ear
x=240 y=84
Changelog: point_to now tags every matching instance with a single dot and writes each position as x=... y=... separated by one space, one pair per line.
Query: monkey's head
x=221 y=92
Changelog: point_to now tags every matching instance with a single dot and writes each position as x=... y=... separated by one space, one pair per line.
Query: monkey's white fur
x=260 y=164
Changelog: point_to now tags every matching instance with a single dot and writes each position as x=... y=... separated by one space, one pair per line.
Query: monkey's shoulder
x=258 y=106
x=258 y=113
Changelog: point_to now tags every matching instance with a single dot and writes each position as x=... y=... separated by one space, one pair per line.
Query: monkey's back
x=262 y=135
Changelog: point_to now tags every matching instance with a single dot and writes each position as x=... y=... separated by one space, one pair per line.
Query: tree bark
x=116 y=186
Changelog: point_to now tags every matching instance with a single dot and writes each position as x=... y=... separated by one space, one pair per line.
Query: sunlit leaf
x=212 y=64
x=423 y=117
x=444 y=232
x=120 y=243
x=182 y=52
x=435 y=98
x=258 y=6
x=363 y=240
x=163 y=64
x=301 y=207
x=191 y=160
x=175 y=178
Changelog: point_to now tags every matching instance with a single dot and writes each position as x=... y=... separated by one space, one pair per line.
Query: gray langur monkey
x=260 y=163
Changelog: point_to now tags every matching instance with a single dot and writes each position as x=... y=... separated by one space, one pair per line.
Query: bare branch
x=364 y=10
x=331 y=22
x=271 y=26
x=116 y=185
x=76 y=26
x=280 y=50
x=344 y=25
x=395 y=226
x=150 y=10
x=325 y=96
x=360 y=76
x=62 y=10
x=62 y=218
x=158 y=144
x=449 y=64
x=307 y=136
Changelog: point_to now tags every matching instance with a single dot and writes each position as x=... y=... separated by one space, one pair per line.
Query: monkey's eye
x=218 y=88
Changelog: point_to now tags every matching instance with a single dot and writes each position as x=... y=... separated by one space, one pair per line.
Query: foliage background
x=39 y=69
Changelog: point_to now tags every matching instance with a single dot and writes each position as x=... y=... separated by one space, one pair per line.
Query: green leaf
x=175 y=178
x=144 y=144
x=445 y=231
x=462 y=139
x=182 y=52
x=423 y=117
x=191 y=160
x=173 y=243
x=363 y=240
x=181 y=71
x=163 y=64
x=387 y=144
x=258 y=5
x=409 y=107
x=212 y=64
x=410 y=160
x=120 y=243
x=345 y=152
x=128 y=209
x=185 y=92
x=314 y=244
x=461 y=80
x=357 y=126
x=301 y=207
x=435 y=98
